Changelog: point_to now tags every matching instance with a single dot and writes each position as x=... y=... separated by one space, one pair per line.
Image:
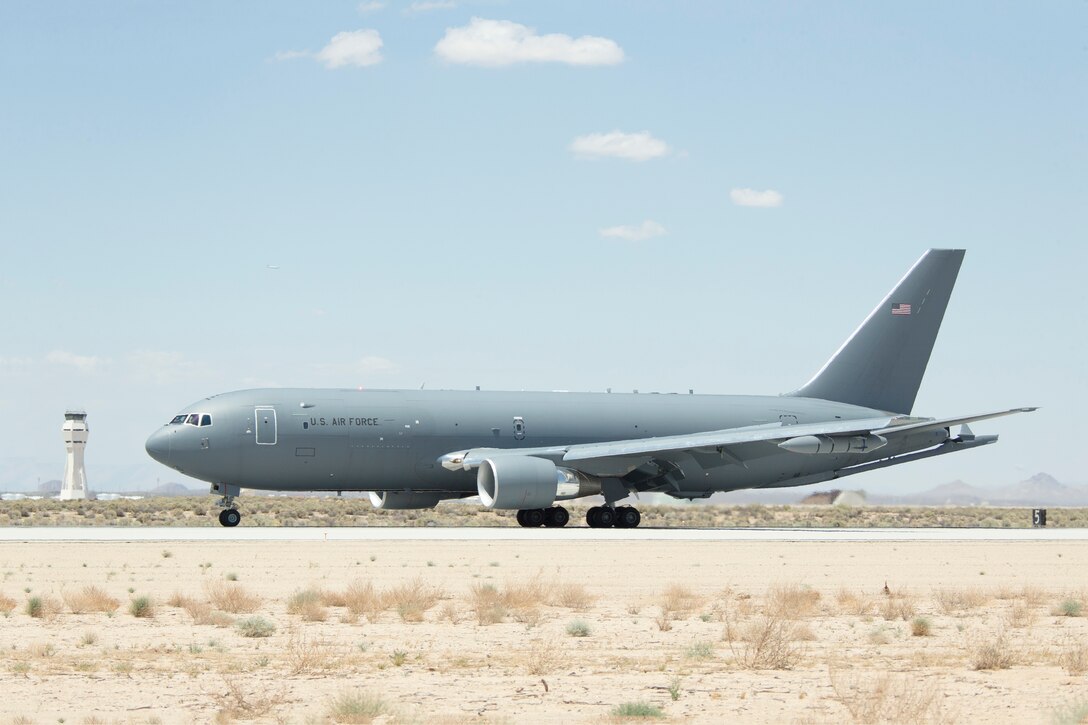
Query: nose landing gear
x=229 y=516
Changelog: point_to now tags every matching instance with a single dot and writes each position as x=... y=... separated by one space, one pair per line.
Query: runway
x=495 y=534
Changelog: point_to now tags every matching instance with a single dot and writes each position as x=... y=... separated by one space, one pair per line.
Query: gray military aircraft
x=526 y=451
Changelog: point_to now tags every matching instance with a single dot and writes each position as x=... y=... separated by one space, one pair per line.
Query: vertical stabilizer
x=881 y=365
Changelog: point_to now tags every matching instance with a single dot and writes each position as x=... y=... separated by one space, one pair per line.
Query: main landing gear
x=553 y=517
x=598 y=517
x=622 y=517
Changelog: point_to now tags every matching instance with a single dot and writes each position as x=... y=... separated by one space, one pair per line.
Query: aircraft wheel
x=521 y=518
x=591 y=517
x=229 y=517
x=606 y=517
x=556 y=516
x=534 y=518
x=627 y=517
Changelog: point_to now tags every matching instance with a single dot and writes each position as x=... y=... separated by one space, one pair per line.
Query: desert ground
x=538 y=631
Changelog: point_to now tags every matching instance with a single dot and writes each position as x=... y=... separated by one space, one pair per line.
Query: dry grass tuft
x=571 y=596
x=921 y=627
x=7 y=604
x=679 y=601
x=769 y=644
x=308 y=604
x=232 y=597
x=90 y=599
x=362 y=599
x=791 y=601
x=43 y=607
x=996 y=654
x=854 y=603
x=413 y=599
x=951 y=601
x=238 y=703
x=305 y=655
x=487 y=603
x=888 y=698
x=201 y=612
x=898 y=606
x=543 y=657
x=357 y=708
x=1020 y=615
x=1074 y=658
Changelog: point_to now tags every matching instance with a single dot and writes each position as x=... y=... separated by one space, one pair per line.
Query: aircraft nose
x=158 y=446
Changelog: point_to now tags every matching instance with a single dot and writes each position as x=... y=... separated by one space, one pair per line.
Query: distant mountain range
x=1040 y=490
x=22 y=475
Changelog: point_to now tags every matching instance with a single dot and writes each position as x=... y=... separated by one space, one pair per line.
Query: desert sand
x=545 y=632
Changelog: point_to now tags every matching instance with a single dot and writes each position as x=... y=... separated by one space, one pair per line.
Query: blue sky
x=435 y=205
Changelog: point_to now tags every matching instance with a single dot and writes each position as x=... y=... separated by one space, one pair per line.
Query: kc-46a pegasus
x=528 y=451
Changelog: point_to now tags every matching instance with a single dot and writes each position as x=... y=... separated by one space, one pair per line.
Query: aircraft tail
x=881 y=365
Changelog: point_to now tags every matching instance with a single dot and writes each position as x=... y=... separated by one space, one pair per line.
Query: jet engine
x=405 y=499
x=525 y=482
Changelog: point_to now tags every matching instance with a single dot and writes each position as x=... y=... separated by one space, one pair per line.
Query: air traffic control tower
x=75 y=440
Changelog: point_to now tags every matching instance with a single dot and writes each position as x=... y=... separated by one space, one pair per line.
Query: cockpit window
x=205 y=419
x=193 y=419
x=178 y=419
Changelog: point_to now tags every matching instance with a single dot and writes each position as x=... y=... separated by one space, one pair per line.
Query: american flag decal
x=901 y=309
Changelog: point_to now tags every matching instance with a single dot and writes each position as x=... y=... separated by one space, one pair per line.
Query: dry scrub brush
x=236 y=702
x=951 y=601
x=887 y=698
x=996 y=654
x=412 y=599
x=1074 y=657
x=308 y=604
x=362 y=599
x=898 y=606
x=201 y=612
x=232 y=597
x=854 y=603
x=90 y=599
x=768 y=643
x=7 y=605
x=791 y=601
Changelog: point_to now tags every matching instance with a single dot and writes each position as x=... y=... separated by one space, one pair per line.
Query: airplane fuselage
x=391 y=440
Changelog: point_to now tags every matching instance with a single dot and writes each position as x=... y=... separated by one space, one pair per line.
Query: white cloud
x=14 y=364
x=291 y=54
x=635 y=233
x=423 y=6
x=751 y=197
x=82 y=363
x=372 y=6
x=359 y=48
x=632 y=146
x=497 y=43
x=164 y=367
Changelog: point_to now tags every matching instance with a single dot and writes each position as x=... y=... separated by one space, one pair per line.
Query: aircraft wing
x=730 y=438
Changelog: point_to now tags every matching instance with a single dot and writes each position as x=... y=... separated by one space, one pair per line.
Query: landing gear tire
x=556 y=517
x=627 y=517
x=229 y=517
x=531 y=518
x=600 y=517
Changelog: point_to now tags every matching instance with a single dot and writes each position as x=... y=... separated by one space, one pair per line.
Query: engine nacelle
x=404 y=500
x=516 y=482
x=525 y=482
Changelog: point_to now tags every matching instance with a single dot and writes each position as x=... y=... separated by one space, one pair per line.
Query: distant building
x=75 y=433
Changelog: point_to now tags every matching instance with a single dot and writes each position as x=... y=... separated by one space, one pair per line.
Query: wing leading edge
x=887 y=427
